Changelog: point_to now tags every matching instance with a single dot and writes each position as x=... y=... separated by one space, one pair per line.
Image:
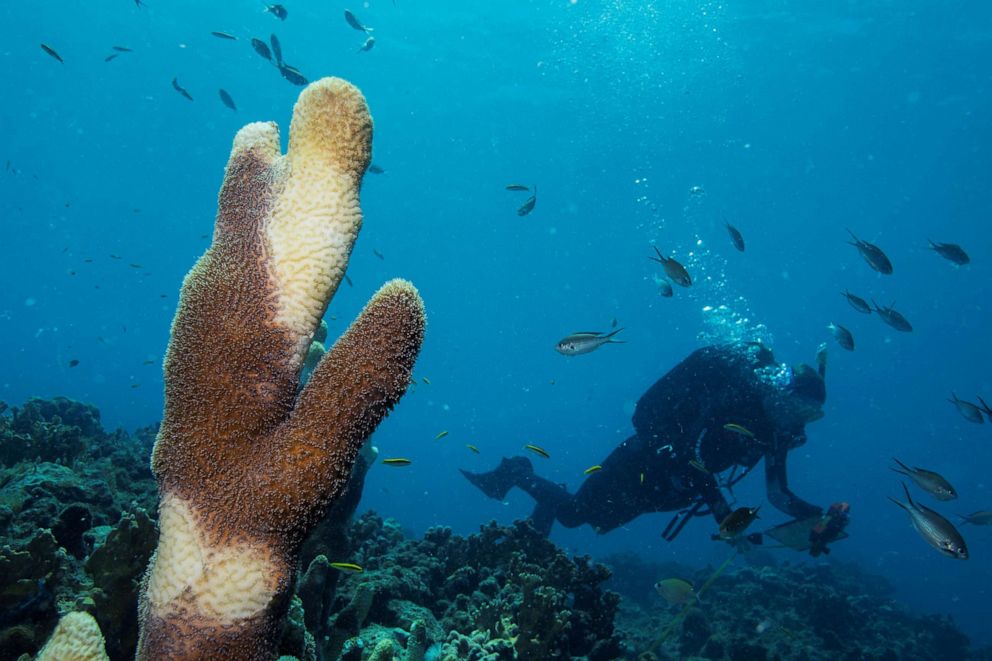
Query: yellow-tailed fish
x=676 y=591
x=537 y=450
x=347 y=566
x=397 y=461
x=440 y=435
x=592 y=469
x=472 y=448
x=739 y=429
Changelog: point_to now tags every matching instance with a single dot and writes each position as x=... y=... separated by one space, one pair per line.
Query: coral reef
x=780 y=611
x=504 y=592
x=246 y=465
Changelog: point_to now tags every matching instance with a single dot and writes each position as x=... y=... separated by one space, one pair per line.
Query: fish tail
x=903 y=466
x=963 y=518
x=857 y=241
x=984 y=405
x=609 y=335
x=900 y=504
x=909 y=498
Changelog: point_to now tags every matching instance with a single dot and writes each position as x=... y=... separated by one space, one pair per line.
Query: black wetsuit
x=680 y=447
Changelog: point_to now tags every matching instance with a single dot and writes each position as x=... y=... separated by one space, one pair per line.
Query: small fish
x=842 y=335
x=970 y=412
x=347 y=566
x=261 y=48
x=932 y=483
x=224 y=35
x=872 y=254
x=893 y=318
x=537 y=450
x=528 y=206
x=397 y=461
x=111 y=57
x=585 y=342
x=136 y=266
x=176 y=86
x=51 y=51
x=675 y=271
x=135 y=385
x=699 y=466
x=276 y=48
x=122 y=49
x=738 y=521
x=665 y=289
x=592 y=469
x=980 y=518
x=472 y=448
x=348 y=280
x=73 y=362
x=642 y=478
x=937 y=531
x=858 y=303
x=739 y=429
x=351 y=20
x=227 y=100
x=375 y=169
x=367 y=46
x=697 y=191
x=278 y=11
x=951 y=252
x=425 y=380
x=378 y=254
x=676 y=591
x=440 y=435
x=517 y=187
x=735 y=236
x=148 y=362
x=292 y=74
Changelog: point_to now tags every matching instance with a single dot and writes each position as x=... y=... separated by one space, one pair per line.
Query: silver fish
x=980 y=518
x=735 y=236
x=968 y=411
x=858 y=303
x=367 y=46
x=872 y=254
x=932 y=483
x=937 y=531
x=843 y=336
x=951 y=252
x=528 y=206
x=893 y=318
x=353 y=21
x=585 y=342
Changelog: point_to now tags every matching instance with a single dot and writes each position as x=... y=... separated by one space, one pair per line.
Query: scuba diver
x=699 y=430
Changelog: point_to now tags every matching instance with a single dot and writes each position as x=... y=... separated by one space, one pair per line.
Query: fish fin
x=903 y=466
x=609 y=335
x=985 y=406
x=900 y=504
x=963 y=518
x=909 y=498
x=857 y=241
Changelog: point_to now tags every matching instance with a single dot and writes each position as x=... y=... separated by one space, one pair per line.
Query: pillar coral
x=245 y=466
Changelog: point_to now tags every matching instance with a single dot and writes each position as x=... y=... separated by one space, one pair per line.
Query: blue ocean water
x=641 y=123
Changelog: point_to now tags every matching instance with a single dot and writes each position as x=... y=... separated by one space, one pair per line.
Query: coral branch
x=245 y=468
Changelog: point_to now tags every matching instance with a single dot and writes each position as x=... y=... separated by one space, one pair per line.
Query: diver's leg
x=519 y=472
x=511 y=472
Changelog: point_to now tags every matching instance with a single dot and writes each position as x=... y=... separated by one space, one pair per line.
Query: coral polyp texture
x=245 y=465
x=76 y=638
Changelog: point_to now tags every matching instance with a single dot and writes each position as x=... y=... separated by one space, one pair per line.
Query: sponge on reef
x=245 y=466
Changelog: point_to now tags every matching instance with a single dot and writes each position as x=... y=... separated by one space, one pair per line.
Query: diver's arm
x=777 y=483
